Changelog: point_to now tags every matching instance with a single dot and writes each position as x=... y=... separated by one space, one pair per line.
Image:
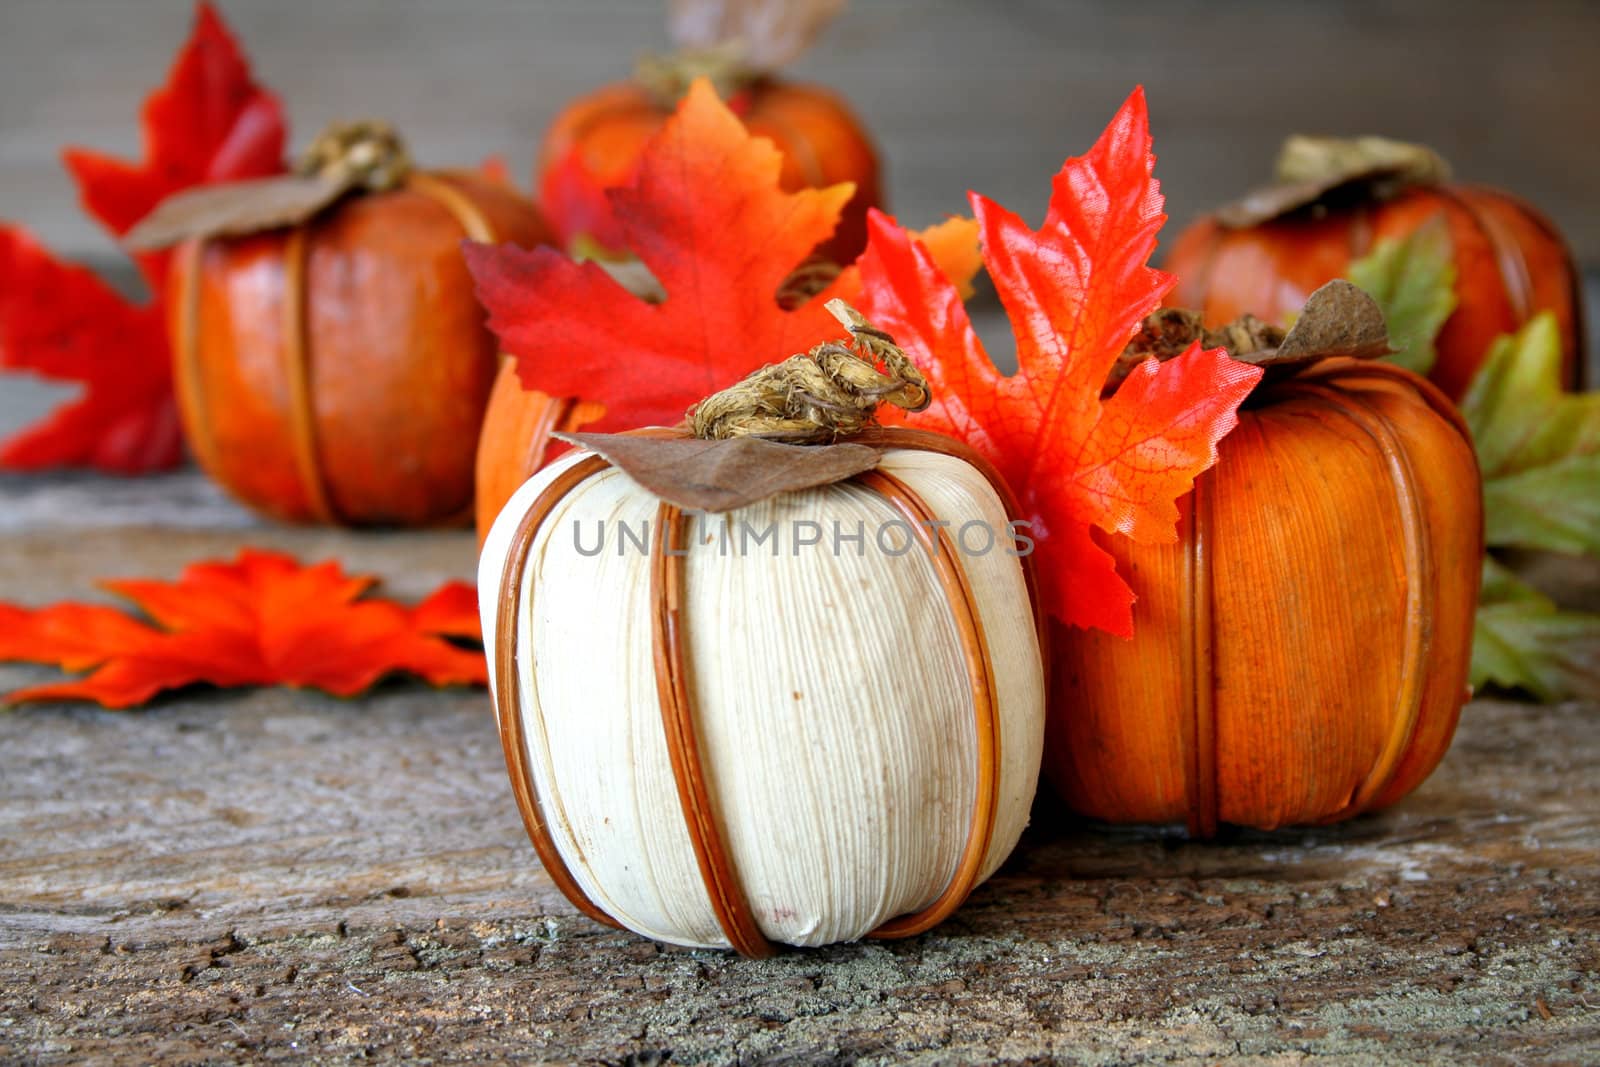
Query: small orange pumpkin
x=337 y=369
x=515 y=441
x=594 y=143
x=1300 y=654
x=1335 y=201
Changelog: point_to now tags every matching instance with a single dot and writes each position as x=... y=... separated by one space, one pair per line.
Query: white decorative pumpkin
x=726 y=741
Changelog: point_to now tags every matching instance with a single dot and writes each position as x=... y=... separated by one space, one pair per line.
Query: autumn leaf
x=210 y=122
x=1539 y=452
x=1075 y=291
x=1522 y=640
x=1538 y=446
x=63 y=323
x=1413 y=280
x=262 y=619
x=706 y=217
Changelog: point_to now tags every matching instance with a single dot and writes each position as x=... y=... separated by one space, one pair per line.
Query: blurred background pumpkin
x=595 y=141
x=336 y=369
x=1334 y=200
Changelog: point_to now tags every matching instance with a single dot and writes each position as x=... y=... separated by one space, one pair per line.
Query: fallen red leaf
x=263 y=619
x=1075 y=291
x=63 y=323
x=209 y=122
x=706 y=215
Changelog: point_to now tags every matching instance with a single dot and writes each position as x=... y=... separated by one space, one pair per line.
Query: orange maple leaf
x=261 y=620
x=705 y=213
x=1075 y=291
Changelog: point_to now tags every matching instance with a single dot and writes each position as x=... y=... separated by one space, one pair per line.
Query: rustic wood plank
x=267 y=875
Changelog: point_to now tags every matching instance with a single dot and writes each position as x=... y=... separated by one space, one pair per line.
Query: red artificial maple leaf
x=62 y=322
x=261 y=620
x=210 y=122
x=706 y=215
x=1075 y=291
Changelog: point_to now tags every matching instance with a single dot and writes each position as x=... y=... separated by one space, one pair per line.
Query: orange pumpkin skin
x=373 y=417
x=595 y=144
x=515 y=441
x=1300 y=654
x=1511 y=263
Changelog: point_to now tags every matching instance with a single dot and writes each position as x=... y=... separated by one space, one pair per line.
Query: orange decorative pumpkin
x=337 y=369
x=594 y=144
x=1335 y=200
x=1300 y=654
x=515 y=441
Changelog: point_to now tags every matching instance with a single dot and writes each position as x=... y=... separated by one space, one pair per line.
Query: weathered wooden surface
x=269 y=876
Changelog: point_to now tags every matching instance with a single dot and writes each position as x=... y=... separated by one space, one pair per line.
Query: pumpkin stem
x=830 y=392
x=667 y=77
x=1339 y=320
x=368 y=155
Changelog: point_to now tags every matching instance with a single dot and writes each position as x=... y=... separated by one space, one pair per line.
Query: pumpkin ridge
x=1370 y=368
x=796 y=147
x=474 y=222
x=980 y=674
x=1575 y=296
x=297 y=376
x=1509 y=260
x=928 y=441
x=1199 y=665
x=508 y=686
x=1419 y=572
x=728 y=899
x=190 y=261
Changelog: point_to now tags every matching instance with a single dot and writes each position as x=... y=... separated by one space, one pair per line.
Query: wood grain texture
x=271 y=875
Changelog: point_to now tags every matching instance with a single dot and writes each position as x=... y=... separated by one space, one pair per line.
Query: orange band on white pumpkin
x=508 y=685
x=667 y=624
x=980 y=676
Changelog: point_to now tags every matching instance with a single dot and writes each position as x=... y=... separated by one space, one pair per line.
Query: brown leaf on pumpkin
x=237 y=208
x=1314 y=170
x=720 y=476
x=1339 y=319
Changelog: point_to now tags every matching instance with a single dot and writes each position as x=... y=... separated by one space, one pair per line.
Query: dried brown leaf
x=723 y=475
x=237 y=208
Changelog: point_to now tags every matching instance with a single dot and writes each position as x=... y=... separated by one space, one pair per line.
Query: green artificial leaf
x=1521 y=640
x=1538 y=446
x=1413 y=279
